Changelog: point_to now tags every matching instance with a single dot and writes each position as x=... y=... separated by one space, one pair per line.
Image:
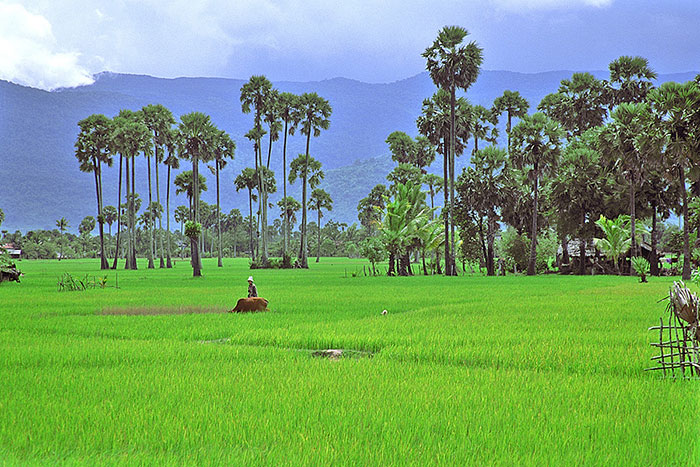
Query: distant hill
x=40 y=181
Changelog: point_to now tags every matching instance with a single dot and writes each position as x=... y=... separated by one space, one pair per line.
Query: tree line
x=595 y=149
x=152 y=132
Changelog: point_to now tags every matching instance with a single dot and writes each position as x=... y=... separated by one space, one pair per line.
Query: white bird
x=384 y=312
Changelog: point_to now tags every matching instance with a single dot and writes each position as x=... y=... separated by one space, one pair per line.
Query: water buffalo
x=245 y=305
x=9 y=273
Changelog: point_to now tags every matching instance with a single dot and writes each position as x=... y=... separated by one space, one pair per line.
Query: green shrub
x=641 y=267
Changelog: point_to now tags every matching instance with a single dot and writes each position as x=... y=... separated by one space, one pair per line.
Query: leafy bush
x=193 y=230
x=641 y=267
x=69 y=283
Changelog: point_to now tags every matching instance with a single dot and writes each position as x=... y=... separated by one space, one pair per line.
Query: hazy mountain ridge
x=40 y=181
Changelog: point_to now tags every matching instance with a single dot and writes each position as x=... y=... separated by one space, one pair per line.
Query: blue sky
x=48 y=43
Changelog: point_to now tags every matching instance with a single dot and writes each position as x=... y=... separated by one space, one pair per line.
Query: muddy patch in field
x=330 y=354
x=161 y=310
x=337 y=354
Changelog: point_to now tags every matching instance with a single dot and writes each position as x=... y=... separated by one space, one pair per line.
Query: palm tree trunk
x=318 y=247
x=250 y=222
x=152 y=234
x=168 y=260
x=633 y=213
x=531 y=267
x=653 y=257
x=490 y=234
x=132 y=219
x=482 y=239
x=127 y=263
x=302 y=251
x=160 y=219
x=104 y=264
x=582 y=256
x=119 y=213
x=446 y=194
x=392 y=257
x=686 y=239
x=453 y=265
x=218 y=212
x=285 y=224
x=194 y=244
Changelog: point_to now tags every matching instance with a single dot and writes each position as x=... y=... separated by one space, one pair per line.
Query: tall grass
x=464 y=370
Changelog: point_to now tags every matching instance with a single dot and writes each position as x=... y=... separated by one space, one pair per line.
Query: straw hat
x=250 y=279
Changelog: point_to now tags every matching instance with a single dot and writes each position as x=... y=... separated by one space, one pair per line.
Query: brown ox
x=245 y=305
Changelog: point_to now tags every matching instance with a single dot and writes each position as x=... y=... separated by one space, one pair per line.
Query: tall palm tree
x=196 y=144
x=159 y=121
x=255 y=95
x=173 y=163
x=678 y=106
x=619 y=140
x=483 y=126
x=535 y=147
x=289 y=114
x=62 y=225
x=129 y=137
x=224 y=148
x=435 y=123
x=92 y=149
x=248 y=179
x=314 y=114
x=319 y=200
x=453 y=65
x=184 y=183
x=630 y=80
x=480 y=187
x=514 y=105
x=288 y=209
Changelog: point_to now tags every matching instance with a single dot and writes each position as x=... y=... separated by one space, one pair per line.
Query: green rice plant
x=468 y=370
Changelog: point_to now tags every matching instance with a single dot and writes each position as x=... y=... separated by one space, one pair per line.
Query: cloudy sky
x=51 y=43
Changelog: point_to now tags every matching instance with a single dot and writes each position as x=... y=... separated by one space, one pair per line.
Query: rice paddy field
x=467 y=370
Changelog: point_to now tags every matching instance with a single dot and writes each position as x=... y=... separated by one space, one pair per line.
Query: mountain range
x=40 y=181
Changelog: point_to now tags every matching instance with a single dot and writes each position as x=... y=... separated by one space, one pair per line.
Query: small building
x=14 y=252
x=594 y=260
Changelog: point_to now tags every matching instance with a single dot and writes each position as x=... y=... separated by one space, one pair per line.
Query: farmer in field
x=252 y=290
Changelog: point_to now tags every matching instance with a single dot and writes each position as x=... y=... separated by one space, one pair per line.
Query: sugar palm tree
x=224 y=148
x=289 y=114
x=483 y=126
x=453 y=65
x=513 y=104
x=173 y=163
x=314 y=114
x=288 y=209
x=62 y=225
x=110 y=214
x=129 y=137
x=92 y=149
x=159 y=121
x=319 y=200
x=181 y=215
x=678 y=106
x=255 y=96
x=435 y=123
x=248 y=179
x=196 y=144
x=619 y=140
x=535 y=147
x=630 y=80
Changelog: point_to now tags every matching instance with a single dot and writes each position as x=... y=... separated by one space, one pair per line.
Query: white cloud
x=29 y=53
